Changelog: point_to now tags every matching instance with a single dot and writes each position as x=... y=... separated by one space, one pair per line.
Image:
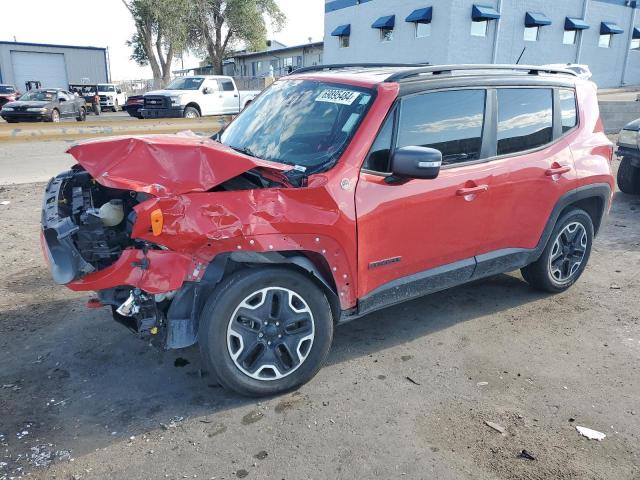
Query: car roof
x=374 y=74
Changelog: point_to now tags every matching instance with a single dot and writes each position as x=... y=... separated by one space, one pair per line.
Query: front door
x=211 y=102
x=65 y=104
x=425 y=233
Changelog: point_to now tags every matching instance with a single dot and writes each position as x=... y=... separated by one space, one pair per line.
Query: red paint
x=466 y=211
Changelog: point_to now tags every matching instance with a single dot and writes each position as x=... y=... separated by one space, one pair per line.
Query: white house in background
x=277 y=61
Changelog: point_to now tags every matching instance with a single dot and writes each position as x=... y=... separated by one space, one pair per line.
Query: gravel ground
x=406 y=392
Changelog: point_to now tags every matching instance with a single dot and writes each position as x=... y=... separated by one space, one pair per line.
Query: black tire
x=556 y=270
x=216 y=338
x=628 y=177
x=191 y=112
x=82 y=115
x=54 y=117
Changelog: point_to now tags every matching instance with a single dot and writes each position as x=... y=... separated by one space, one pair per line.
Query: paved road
x=28 y=162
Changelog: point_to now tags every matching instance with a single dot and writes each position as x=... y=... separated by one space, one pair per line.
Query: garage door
x=49 y=68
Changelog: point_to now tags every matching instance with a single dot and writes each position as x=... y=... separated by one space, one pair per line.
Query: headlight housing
x=176 y=100
x=629 y=138
x=35 y=109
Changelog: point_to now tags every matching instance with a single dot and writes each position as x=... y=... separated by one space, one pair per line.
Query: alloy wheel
x=270 y=333
x=568 y=252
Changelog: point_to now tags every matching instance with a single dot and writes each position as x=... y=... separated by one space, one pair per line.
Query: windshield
x=185 y=83
x=306 y=123
x=6 y=89
x=39 y=95
x=106 y=88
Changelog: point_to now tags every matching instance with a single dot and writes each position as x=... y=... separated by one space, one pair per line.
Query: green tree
x=162 y=32
x=222 y=25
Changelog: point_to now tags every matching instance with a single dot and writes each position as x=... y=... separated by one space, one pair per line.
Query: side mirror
x=207 y=90
x=118 y=91
x=62 y=99
x=416 y=162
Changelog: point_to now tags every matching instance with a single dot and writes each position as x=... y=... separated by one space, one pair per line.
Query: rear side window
x=568 y=108
x=450 y=121
x=525 y=119
x=227 y=85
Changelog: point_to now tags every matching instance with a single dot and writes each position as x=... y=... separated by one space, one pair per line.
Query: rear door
x=425 y=232
x=533 y=165
x=231 y=100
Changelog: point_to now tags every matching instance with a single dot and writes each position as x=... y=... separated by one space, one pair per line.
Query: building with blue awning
x=603 y=34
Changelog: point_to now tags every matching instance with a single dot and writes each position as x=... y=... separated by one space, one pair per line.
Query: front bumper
x=173 y=112
x=25 y=116
x=632 y=153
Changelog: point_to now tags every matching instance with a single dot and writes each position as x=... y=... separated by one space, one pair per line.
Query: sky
x=107 y=23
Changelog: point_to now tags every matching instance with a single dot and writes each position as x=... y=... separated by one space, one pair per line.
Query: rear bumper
x=173 y=112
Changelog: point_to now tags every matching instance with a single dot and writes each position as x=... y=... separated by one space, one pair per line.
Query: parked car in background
x=49 y=105
x=339 y=191
x=133 y=106
x=8 y=93
x=111 y=97
x=629 y=150
x=197 y=96
x=90 y=95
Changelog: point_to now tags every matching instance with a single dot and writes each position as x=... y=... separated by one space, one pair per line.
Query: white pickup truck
x=111 y=97
x=196 y=96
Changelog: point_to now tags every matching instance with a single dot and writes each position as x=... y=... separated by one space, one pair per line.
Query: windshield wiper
x=245 y=150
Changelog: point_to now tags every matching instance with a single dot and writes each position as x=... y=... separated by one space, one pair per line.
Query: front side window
x=531 y=34
x=306 y=123
x=568 y=109
x=450 y=121
x=525 y=119
x=343 y=41
x=386 y=34
x=570 y=37
x=605 y=40
x=423 y=30
x=479 y=29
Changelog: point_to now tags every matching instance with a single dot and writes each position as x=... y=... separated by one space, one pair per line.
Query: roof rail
x=341 y=66
x=449 y=69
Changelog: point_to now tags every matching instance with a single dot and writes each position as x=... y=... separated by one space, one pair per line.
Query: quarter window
x=450 y=121
x=568 y=109
x=380 y=154
x=479 y=29
x=525 y=119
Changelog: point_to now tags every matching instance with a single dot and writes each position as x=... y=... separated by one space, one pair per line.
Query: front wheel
x=55 y=116
x=566 y=255
x=628 y=177
x=191 y=112
x=265 y=331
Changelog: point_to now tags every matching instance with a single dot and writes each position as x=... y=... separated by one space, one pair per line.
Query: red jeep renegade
x=339 y=191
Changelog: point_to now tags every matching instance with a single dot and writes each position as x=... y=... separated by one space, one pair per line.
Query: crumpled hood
x=164 y=165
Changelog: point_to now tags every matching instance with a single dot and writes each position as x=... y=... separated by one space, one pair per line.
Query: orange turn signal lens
x=157 y=220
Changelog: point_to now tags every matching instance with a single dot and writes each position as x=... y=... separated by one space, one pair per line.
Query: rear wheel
x=191 y=112
x=628 y=177
x=82 y=115
x=566 y=255
x=265 y=331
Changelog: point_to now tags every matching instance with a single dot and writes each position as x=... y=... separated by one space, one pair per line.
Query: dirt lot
x=406 y=392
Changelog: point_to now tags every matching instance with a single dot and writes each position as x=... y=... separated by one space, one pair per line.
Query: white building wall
x=451 y=40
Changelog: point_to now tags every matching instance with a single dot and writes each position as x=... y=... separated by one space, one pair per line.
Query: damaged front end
x=89 y=217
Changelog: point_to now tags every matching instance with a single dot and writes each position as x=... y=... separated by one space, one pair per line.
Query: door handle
x=467 y=192
x=236 y=95
x=559 y=170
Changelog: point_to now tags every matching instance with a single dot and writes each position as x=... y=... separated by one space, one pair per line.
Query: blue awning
x=421 y=15
x=342 y=31
x=610 y=28
x=575 y=24
x=479 y=12
x=636 y=33
x=385 y=22
x=532 y=19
